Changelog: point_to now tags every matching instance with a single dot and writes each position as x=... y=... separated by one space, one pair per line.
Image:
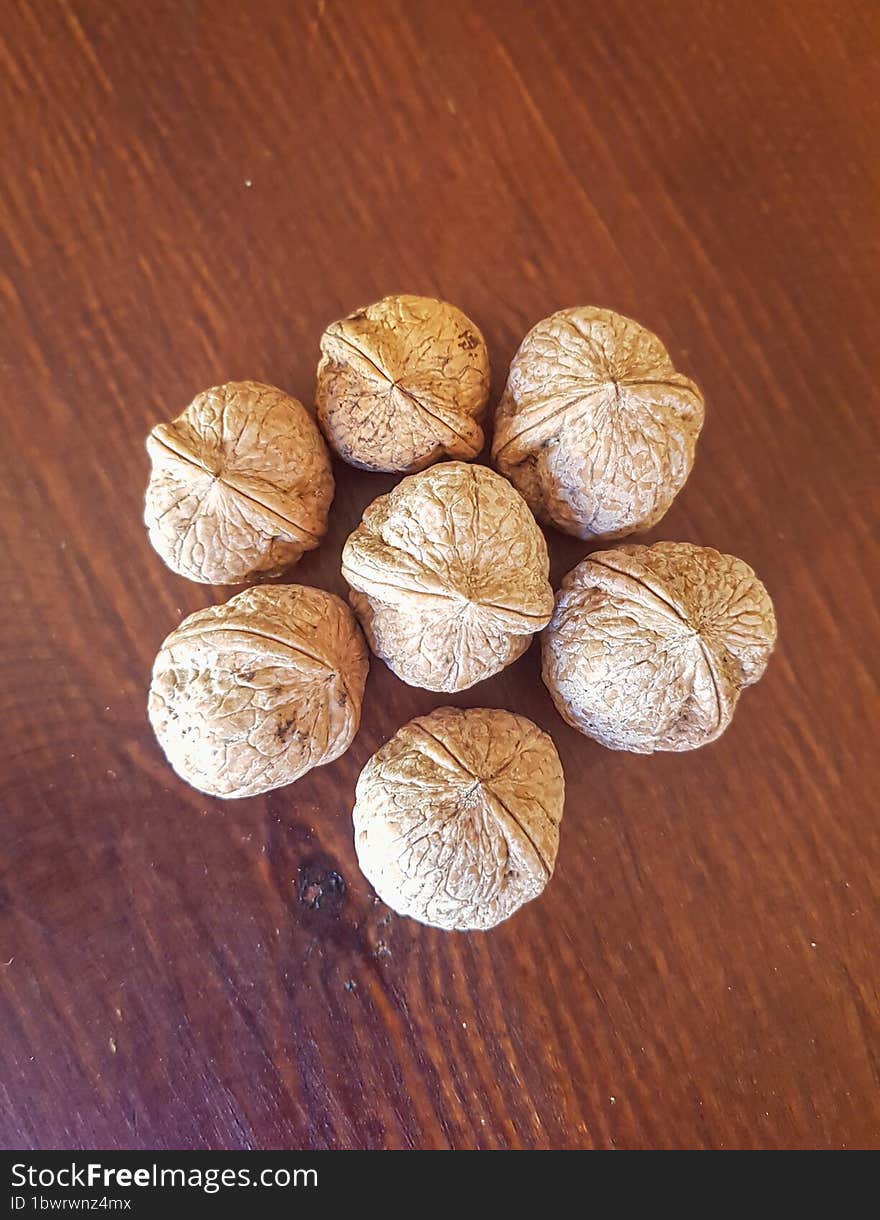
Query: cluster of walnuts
x=644 y=647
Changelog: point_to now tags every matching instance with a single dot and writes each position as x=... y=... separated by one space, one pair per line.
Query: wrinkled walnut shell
x=241 y=484
x=596 y=429
x=449 y=573
x=457 y=817
x=403 y=383
x=248 y=696
x=650 y=646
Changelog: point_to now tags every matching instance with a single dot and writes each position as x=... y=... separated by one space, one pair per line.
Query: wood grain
x=192 y=191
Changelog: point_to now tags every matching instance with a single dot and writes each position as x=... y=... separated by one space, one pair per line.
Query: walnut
x=457 y=817
x=449 y=576
x=241 y=484
x=596 y=428
x=402 y=383
x=250 y=695
x=650 y=646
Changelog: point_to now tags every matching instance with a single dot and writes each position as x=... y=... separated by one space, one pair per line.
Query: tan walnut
x=449 y=576
x=650 y=646
x=248 y=696
x=241 y=484
x=596 y=428
x=457 y=817
x=403 y=383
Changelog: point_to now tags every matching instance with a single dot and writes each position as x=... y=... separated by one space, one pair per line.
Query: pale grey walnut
x=457 y=817
x=449 y=576
x=650 y=646
x=241 y=484
x=248 y=696
x=403 y=383
x=596 y=428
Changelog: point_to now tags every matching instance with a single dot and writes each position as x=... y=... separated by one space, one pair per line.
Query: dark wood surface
x=191 y=192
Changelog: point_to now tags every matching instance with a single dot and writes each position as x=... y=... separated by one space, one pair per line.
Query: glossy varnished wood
x=191 y=192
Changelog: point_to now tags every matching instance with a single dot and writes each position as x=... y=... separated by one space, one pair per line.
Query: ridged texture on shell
x=241 y=484
x=596 y=428
x=457 y=817
x=403 y=383
x=449 y=573
x=250 y=695
x=649 y=647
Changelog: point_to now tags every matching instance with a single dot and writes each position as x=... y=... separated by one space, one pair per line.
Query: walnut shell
x=650 y=646
x=402 y=383
x=596 y=428
x=241 y=484
x=250 y=695
x=457 y=817
x=449 y=573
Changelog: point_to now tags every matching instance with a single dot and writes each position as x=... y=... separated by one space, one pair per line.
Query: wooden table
x=192 y=192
